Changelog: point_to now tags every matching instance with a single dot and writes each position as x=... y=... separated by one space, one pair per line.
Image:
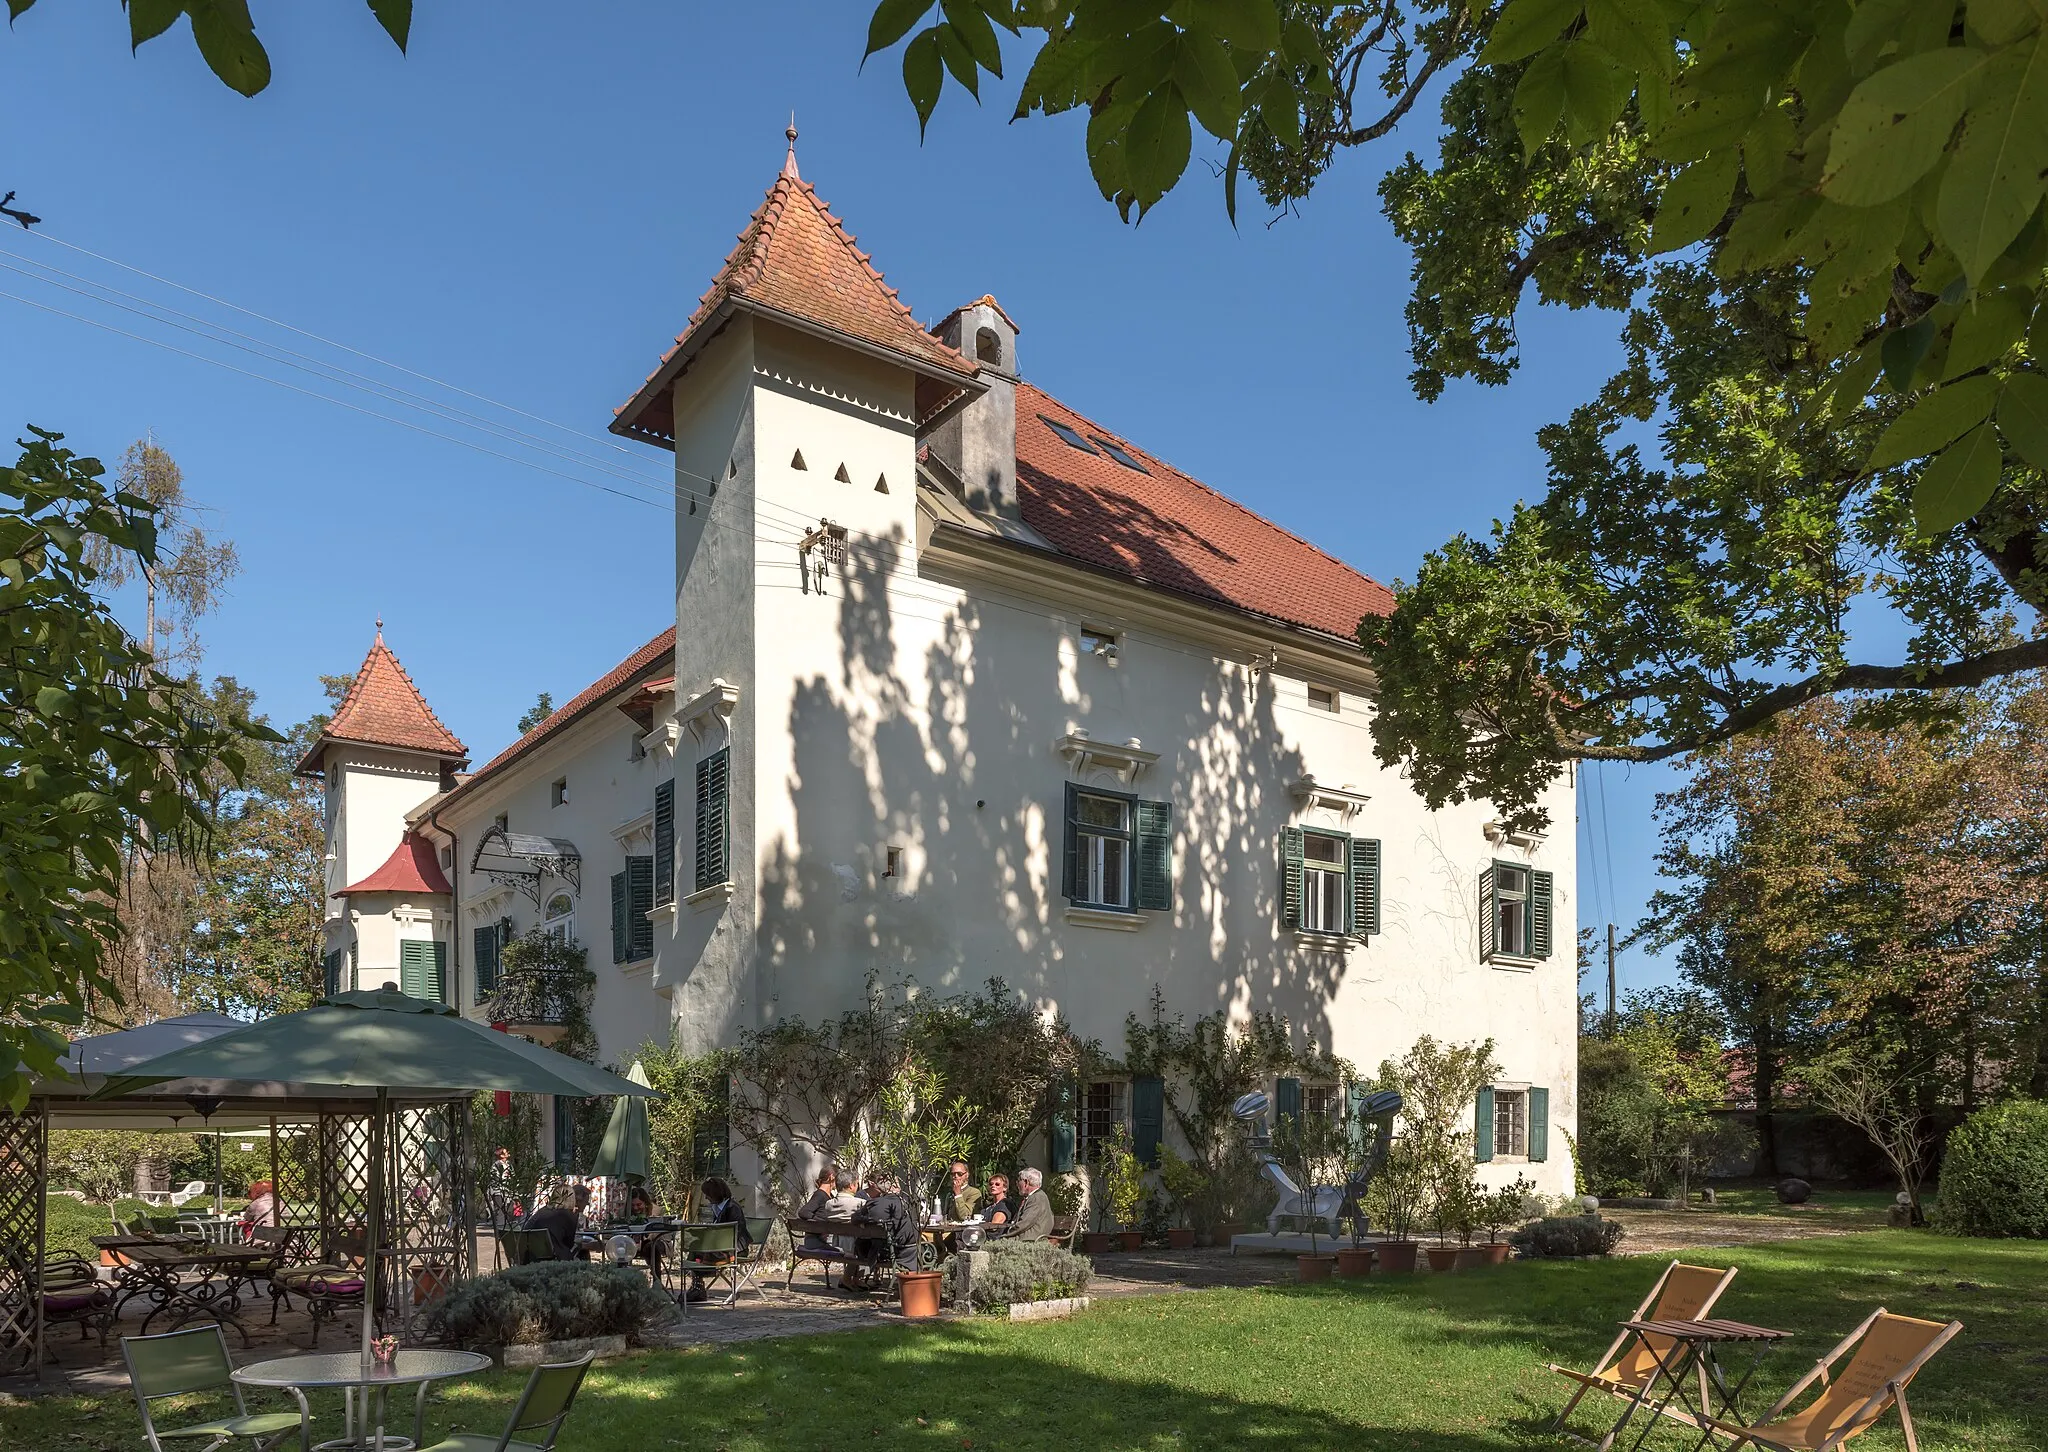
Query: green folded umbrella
x=624 y=1152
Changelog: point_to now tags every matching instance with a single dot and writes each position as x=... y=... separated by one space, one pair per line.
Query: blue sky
x=528 y=205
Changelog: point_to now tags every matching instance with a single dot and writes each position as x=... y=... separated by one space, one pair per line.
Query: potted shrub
x=1184 y=1182
x=1499 y=1211
x=1123 y=1186
x=1313 y=1150
x=1469 y=1220
x=1356 y=1258
x=1394 y=1199
x=1447 y=1203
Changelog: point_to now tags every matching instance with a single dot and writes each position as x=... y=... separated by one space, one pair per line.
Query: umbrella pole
x=372 y=1232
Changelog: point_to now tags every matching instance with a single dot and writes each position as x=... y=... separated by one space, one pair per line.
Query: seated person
x=996 y=1209
x=828 y=1202
x=640 y=1206
x=962 y=1198
x=717 y=1207
x=1033 y=1220
x=262 y=1207
x=561 y=1218
x=893 y=1226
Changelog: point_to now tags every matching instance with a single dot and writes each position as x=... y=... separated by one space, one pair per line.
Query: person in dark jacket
x=894 y=1223
x=717 y=1207
x=561 y=1222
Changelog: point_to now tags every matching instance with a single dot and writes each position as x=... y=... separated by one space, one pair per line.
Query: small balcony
x=540 y=1006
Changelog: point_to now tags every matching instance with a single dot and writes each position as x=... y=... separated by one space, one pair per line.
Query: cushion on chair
x=74 y=1301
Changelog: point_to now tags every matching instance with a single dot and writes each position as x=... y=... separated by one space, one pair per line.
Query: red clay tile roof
x=411 y=867
x=384 y=708
x=1174 y=532
x=658 y=654
x=794 y=257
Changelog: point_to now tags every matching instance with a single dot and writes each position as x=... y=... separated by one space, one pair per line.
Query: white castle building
x=960 y=684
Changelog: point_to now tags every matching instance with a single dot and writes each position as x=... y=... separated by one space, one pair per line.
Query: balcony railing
x=542 y=1006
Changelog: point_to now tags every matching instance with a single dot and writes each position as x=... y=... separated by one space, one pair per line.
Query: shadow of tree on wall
x=960 y=767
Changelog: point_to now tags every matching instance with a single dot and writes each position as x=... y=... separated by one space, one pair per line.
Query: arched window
x=560 y=919
x=988 y=347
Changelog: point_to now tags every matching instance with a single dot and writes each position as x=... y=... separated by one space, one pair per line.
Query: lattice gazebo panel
x=24 y=1146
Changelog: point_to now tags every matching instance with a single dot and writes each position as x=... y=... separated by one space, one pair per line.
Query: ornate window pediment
x=1310 y=794
x=1083 y=753
x=521 y=859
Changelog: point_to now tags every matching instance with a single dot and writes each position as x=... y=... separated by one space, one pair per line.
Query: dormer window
x=1068 y=436
x=1121 y=454
x=1101 y=643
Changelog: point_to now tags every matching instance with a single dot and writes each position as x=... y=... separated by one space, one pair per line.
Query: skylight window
x=1121 y=454
x=1067 y=435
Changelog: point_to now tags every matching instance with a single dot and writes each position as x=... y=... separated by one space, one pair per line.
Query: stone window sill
x=1508 y=963
x=666 y=913
x=1325 y=942
x=704 y=899
x=1113 y=919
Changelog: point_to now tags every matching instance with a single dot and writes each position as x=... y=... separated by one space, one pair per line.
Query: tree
x=99 y=751
x=225 y=32
x=1852 y=221
x=1861 y=1084
x=543 y=707
x=192 y=568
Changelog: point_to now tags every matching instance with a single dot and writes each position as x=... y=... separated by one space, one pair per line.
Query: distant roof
x=1168 y=530
x=656 y=658
x=797 y=260
x=384 y=708
x=411 y=867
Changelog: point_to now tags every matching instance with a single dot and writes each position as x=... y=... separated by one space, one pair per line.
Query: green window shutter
x=1365 y=887
x=331 y=971
x=621 y=931
x=354 y=976
x=713 y=826
x=665 y=844
x=1148 y=1117
x=1482 y=1128
x=412 y=969
x=1489 y=919
x=437 y=972
x=639 y=898
x=1155 y=856
x=1539 y=913
x=483 y=945
x=1060 y=1135
x=1539 y=1125
x=1286 y=1100
x=565 y=1133
x=1070 y=852
x=1291 y=851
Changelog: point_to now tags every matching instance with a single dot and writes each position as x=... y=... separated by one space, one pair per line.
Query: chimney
x=979 y=443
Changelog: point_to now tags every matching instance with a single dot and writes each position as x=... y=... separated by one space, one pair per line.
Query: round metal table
x=352 y=1372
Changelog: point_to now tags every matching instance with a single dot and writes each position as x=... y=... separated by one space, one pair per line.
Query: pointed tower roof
x=797 y=264
x=411 y=867
x=384 y=708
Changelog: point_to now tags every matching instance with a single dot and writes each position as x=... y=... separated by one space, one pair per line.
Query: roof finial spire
x=789 y=162
x=380 y=630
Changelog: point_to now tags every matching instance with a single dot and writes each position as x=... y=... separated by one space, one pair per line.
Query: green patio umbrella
x=625 y=1150
x=381 y=1040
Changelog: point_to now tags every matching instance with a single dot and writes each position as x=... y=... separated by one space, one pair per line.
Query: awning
x=521 y=859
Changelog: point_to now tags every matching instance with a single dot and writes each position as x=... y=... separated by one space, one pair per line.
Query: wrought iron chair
x=549 y=1397
x=328 y=1289
x=180 y=1363
x=73 y=1294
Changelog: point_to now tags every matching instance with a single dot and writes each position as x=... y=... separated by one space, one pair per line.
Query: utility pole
x=1611 y=1020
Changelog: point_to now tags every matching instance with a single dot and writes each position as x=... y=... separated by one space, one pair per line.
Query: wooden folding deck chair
x=1683 y=1293
x=1890 y=1350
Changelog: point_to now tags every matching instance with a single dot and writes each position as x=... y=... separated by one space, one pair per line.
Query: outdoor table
x=215 y=1229
x=933 y=1231
x=352 y=1371
x=648 y=1240
x=1694 y=1356
x=158 y=1272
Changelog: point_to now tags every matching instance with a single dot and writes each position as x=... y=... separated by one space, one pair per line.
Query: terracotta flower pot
x=1180 y=1238
x=1356 y=1261
x=429 y=1281
x=1316 y=1267
x=1470 y=1257
x=1094 y=1242
x=1442 y=1257
x=1497 y=1252
x=918 y=1291
x=1396 y=1257
x=107 y=1258
x=1227 y=1229
x=1130 y=1239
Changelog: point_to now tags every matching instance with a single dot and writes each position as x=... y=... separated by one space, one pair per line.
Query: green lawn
x=1451 y=1364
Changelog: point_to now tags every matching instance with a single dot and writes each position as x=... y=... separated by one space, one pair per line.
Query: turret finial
x=789 y=162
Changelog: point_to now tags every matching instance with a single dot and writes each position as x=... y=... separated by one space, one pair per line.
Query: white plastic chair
x=192 y=1190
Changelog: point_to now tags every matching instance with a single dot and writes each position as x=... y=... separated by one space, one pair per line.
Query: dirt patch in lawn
x=1660 y=1232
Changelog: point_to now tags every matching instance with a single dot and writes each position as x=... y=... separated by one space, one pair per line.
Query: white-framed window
x=558 y=792
x=1511 y=910
x=1323 y=866
x=1325 y=698
x=1510 y=1123
x=1102 y=840
x=1102 y=1110
x=1099 y=642
x=558 y=919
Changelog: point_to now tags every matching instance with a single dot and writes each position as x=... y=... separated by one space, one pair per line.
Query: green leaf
x=1892 y=129
x=1936 y=420
x=1596 y=91
x=53 y=701
x=971 y=24
x=1208 y=81
x=892 y=21
x=1252 y=25
x=1525 y=27
x=1994 y=181
x=1767 y=149
x=1635 y=34
x=1704 y=120
x=1539 y=99
x=1842 y=307
x=18 y=8
x=147 y=19
x=1763 y=233
x=396 y=18
x=1281 y=111
x=953 y=51
x=1990 y=325
x=1156 y=148
x=1694 y=202
x=1053 y=84
x=227 y=40
x=1106 y=132
x=924 y=75
x=1958 y=483
x=2023 y=417
x=1904 y=349
x=2001 y=22
x=1301 y=45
